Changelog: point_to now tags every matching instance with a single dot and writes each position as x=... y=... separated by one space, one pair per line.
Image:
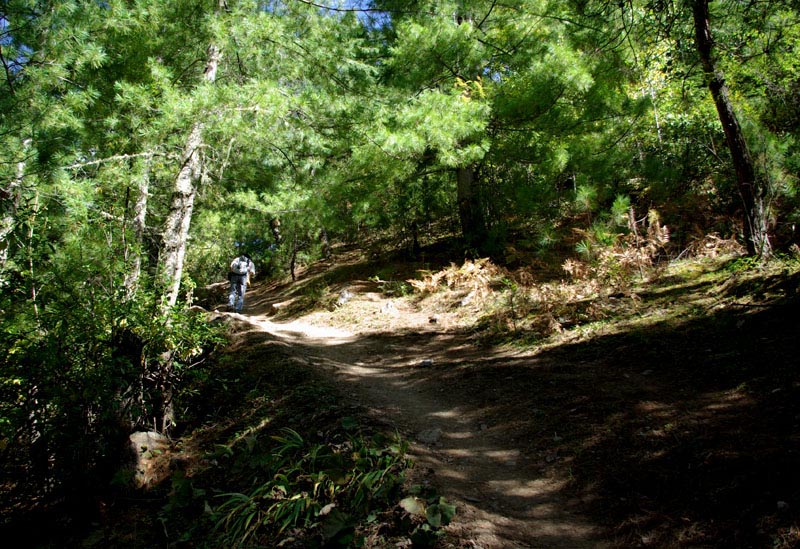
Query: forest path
x=672 y=422
x=463 y=430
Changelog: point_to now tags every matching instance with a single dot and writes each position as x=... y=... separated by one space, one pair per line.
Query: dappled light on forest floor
x=390 y=378
x=666 y=426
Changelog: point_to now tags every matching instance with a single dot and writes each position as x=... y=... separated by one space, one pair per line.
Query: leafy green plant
x=397 y=288
x=431 y=514
x=308 y=482
x=743 y=264
x=585 y=197
x=620 y=210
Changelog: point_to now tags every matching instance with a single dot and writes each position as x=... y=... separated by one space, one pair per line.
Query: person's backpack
x=240 y=265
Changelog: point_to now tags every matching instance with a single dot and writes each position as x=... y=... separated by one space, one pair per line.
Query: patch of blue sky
x=21 y=53
x=371 y=17
x=5 y=35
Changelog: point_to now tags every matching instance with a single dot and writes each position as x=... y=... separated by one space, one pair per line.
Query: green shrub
x=323 y=488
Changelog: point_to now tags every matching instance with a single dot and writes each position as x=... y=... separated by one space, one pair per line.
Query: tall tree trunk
x=176 y=234
x=175 y=238
x=293 y=260
x=751 y=188
x=473 y=224
x=133 y=253
x=9 y=203
x=176 y=227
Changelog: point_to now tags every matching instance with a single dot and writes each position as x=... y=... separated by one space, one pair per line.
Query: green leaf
x=434 y=516
x=349 y=423
x=413 y=506
x=440 y=514
x=447 y=511
x=335 y=523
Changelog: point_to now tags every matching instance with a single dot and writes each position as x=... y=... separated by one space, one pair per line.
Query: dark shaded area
x=700 y=430
x=685 y=433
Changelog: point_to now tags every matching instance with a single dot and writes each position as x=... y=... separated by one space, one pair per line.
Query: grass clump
x=321 y=489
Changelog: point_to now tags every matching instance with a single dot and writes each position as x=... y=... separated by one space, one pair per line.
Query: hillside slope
x=649 y=429
x=667 y=415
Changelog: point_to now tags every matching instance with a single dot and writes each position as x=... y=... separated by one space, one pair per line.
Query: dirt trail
x=462 y=439
x=664 y=428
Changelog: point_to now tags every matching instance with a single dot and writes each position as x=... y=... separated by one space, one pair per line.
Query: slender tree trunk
x=134 y=257
x=326 y=243
x=176 y=228
x=175 y=238
x=751 y=188
x=655 y=112
x=9 y=204
x=31 y=267
x=473 y=224
x=127 y=344
x=179 y=218
x=176 y=234
x=293 y=260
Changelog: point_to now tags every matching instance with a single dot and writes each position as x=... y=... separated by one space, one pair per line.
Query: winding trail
x=462 y=439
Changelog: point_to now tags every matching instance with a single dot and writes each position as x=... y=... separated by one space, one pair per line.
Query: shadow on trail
x=684 y=434
x=690 y=434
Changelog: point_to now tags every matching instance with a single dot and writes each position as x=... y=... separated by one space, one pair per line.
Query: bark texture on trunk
x=176 y=227
x=751 y=188
x=176 y=235
x=138 y=226
x=179 y=218
x=473 y=224
x=9 y=204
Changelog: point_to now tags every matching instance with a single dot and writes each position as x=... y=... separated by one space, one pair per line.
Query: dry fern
x=633 y=254
x=712 y=245
x=474 y=277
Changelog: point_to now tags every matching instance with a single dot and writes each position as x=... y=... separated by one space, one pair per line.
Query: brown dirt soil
x=681 y=434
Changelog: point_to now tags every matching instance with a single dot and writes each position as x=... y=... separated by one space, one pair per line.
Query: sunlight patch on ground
x=503 y=455
x=495 y=528
x=448 y=414
x=720 y=402
x=537 y=487
x=656 y=409
x=461 y=435
x=482 y=453
x=359 y=370
x=324 y=335
x=453 y=474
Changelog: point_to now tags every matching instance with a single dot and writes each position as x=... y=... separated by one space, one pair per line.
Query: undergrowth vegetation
x=78 y=378
x=267 y=456
x=315 y=492
x=602 y=283
x=271 y=459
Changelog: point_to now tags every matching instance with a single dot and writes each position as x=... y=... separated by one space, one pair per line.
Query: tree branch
x=8 y=72
x=116 y=158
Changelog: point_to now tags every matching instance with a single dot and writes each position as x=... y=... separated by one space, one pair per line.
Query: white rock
x=149 y=464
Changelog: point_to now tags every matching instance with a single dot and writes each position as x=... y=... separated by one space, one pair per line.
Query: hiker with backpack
x=241 y=269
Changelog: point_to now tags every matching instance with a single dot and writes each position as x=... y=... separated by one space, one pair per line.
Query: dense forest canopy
x=142 y=143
